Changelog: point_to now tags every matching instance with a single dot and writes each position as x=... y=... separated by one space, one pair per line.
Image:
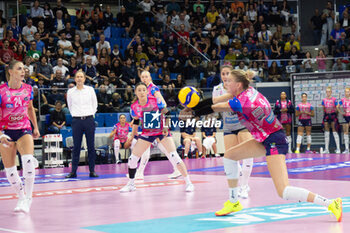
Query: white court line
x=9 y=230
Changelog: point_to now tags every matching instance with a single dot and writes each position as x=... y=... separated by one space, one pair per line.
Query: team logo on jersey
x=26 y=98
x=9 y=105
x=15 y=118
x=8 y=94
x=17 y=94
x=152 y=120
x=258 y=113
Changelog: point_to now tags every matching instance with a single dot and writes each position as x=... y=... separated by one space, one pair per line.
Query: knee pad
x=231 y=168
x=289 y=139
x=133 y=143
x=133 y=160
x=308 y=138
x=13 y=177
x=295 y=194
x=146 y=154
x=299 y=139
x=116 y=144
x=174 y=158
x=28 y=166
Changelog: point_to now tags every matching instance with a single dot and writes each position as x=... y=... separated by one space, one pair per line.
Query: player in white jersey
x=234 y=133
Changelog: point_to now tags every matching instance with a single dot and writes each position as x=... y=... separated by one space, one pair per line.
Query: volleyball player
x=304 y=111
x=120 y=136
x=254 y=111
x=330 y=119
x=16 y=133
x=147 y=104
x=344 y=109
x=284 y=110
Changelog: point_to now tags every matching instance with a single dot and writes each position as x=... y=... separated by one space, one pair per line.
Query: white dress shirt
x=82 y=102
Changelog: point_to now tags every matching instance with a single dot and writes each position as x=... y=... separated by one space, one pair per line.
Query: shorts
x=151 y=138
x=276 y=143
x=330 y=117
x=305 y=122
x=208 y=142
x=16 y=134
x=347 y=119
x=235 y=132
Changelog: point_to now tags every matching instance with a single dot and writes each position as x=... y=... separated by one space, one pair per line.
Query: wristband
x=137 y=121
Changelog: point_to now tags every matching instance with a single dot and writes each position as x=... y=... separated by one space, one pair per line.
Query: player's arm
x=32 y=118
x=222 y=98
x=112 y=133
x=136 y=122
x=160 y=97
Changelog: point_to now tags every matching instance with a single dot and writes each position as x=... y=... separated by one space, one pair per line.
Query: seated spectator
x=108 y=16
x=278 y=35
x=103 y=44
x=69 y=31
x=40 y=45
x=64 y=70
x=321 y=61
x=27 y=79
x=90 y=71
x=76 y=43
x=51 y=45
x=276 y=49
x=48 y=16
x=345 y=22
x=128 y=95
x=259 y=23
x=84 y=34
x=123 y=18
x=129 y=72
x=181 y=20
x=116 y=54
x=59 y=80
x=335 y=36
x=61 y=8
x=103 y=100
x=58 y=119
x=59 y=23
x=166 y=82
x=290 y=43
x=54 y=96
x=339 y=65
x=116 y=68
x=173 y=6
x=230 y=57
x=141 y=67
x=223 y=40
x=274 y=13
x=190 y=140
x=16 y=30
x=179 y=82
x=295 y=32
x=260 y=73
x=116 y=102
x=245 y=56
x=96 y=25
x=81 y=12
x=342 y=41
x=33 y=52
x=44 y=70
x=235 y=5
x=250 y=44
x=170 y=94
x=91 y=54
x=241 y=66
x=65 y=44
x=307 y=62
x=36 y=12
x=28 y=31
x=140 y=55
x=195 y=63
x=295 y=56
x=102 y=68
x=264 y=37
x=252 y=14
x=275 y=74
x=209 y=140
x=28 y=64
x=6 y=54
x=158 y=61
x=290 y=69
x=285 y=12
x=163 y=71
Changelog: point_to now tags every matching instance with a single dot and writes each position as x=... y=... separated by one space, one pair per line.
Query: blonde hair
x=244 y=77
x=329 y=88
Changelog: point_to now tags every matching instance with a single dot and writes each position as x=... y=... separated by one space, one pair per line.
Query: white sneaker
x=175 y=174
x=26 y=205
x=138 y=175
x=118 y=161
x=128 y=188
x=326 y=152
x=19 y=205
x=189 y=187
x=243 y=191
x=36 y=163
x=290 y=151
x=346 y=152
x=217 y=155
x=337 y=151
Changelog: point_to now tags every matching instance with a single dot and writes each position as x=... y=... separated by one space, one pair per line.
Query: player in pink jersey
x=154 y=91
x=254 y=111
x=16 y=133
x=330 y=119
x=149 y=112
x=120 y=136
x=304 y=111
x=284 y=110
x=344 y=109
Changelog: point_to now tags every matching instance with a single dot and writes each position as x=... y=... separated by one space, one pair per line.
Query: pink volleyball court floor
x=160 y=205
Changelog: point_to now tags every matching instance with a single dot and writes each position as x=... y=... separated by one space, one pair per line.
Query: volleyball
x=189 y=96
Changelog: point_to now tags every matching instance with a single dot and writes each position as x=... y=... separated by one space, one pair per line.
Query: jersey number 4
x=18 y=102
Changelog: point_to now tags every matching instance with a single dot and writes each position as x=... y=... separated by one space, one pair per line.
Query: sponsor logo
x=258 y=113
x=152 y=120
x=26 y=98
x=9 y=105
x=16 y=117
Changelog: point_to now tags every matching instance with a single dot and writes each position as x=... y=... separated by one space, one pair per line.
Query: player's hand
x=165 y=131
x=36 y=133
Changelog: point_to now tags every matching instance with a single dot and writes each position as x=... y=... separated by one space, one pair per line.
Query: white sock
x=233 y=194
x=295 y=193
x=187 y=180
x=144 y=160
x=185 y=155
x=326 y=140
x=346 y=141
x=28 y=174
x=247 y=167
x=299 y=140
x=116 y=149
x=200 y=153
x=15 y=181
x=319 y=200
x=308 y=137
x=336 y=139
x=131 y=181
x=289 y=139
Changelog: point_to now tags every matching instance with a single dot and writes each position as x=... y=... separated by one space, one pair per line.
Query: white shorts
x=208 y=142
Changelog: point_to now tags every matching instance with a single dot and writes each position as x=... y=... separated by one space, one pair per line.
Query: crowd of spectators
x=189 y=38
